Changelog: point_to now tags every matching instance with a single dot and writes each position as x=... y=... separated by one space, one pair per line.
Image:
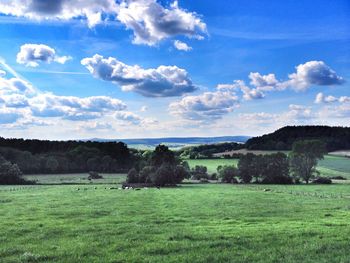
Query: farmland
x=191 y=223
x=330 y=166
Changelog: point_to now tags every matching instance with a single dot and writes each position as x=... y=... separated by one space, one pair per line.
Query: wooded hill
x=336 y=138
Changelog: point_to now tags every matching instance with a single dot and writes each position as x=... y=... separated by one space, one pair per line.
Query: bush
x=10 y=173
x=199 y=172
x=94 y=175
x=338 y=177
x=322 y=180
x=227 y=173
x=133 y=176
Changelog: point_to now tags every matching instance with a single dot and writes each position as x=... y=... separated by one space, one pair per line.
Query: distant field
x=192 y=223
x=245 y=151
x=76 y=179
x=330 y=166
x=211 y=164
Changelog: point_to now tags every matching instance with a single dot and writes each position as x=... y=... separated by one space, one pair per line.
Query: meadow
x=330 y=166
x=189 y=223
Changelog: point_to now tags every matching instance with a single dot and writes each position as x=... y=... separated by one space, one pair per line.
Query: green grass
x=211 y=164
x=335 y=165
x=330 y=166
x=76 y=179
x=192 y=223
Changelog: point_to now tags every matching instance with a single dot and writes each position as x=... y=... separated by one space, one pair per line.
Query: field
x=330 y=166
x=190 y=223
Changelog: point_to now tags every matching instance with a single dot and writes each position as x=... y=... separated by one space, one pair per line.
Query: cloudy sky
x=151 y=68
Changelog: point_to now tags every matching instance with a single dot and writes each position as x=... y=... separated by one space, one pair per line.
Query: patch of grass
x=81 y=178
x=191 y=223
x=212 y=164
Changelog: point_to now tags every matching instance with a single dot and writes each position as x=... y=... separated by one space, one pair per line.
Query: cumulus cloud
x=21 y=103
x=2 y=73
x=181 y=46
x=150 y=21
x=208 y=106
x=92 y=10
x=248 y=93
x=321 y=98
x=164 y=81
x=33 y=54
x=263 y=82
x=306 y=75
x=144 y=109
x=312 y=73
x=74 y=108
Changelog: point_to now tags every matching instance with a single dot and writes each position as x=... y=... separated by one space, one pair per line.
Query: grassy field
x=191 y=223
x=211 y=164
x=330 y=166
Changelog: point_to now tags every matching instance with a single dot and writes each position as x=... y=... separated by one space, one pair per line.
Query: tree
x=133 y=177
x=275 y=169
x=304 y=158
x=51 y=164
x=199 y=172
x=245 y=167
x=180 y=173
x=10 y=173
x=163 y=176
x=227 y=173
x=162 y=155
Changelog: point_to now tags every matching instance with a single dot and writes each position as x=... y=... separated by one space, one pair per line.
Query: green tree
x=10 y=173
x=304 y=158
x=227 y=173
x=162 y=155
x=133 y=177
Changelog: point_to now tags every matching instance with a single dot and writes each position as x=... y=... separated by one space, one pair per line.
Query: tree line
x=335 y=138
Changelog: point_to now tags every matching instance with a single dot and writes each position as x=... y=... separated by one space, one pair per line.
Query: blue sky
x=205 y=68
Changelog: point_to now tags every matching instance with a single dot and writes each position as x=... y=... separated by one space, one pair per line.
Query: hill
x=175 y=142
x=336 y=138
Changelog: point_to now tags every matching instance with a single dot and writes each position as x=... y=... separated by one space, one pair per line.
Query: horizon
x=171 y=69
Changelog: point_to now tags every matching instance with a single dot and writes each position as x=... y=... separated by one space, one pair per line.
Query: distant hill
x=175 y=142
x=336 y=138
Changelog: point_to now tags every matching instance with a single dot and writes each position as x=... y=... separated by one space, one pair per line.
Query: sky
x=149 y=68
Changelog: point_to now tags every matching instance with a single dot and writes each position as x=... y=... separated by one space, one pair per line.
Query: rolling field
x=191 y=223
x=330 y=166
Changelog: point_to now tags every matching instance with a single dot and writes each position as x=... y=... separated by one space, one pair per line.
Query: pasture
x=329 y=167
x=190 y=223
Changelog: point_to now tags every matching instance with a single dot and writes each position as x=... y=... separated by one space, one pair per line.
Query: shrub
x=322 y=180
x=227 y=173
x=199 y=172
x=94 y=175
x=133 y=176
x=339 y=177
x=10 y=173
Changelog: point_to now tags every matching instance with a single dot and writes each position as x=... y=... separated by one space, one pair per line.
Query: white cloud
x=208 y=106
x=308 y=74
x=181 y=46
x=312 y=73
x=164 y=81
x=59 y=9
x=33 y=54
x=248 y=93
x=321 y=98
x=74 y=108
x=2 y=73
x=152 y=23
x=263 y=82
x=149 y=20
x=144 y=109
